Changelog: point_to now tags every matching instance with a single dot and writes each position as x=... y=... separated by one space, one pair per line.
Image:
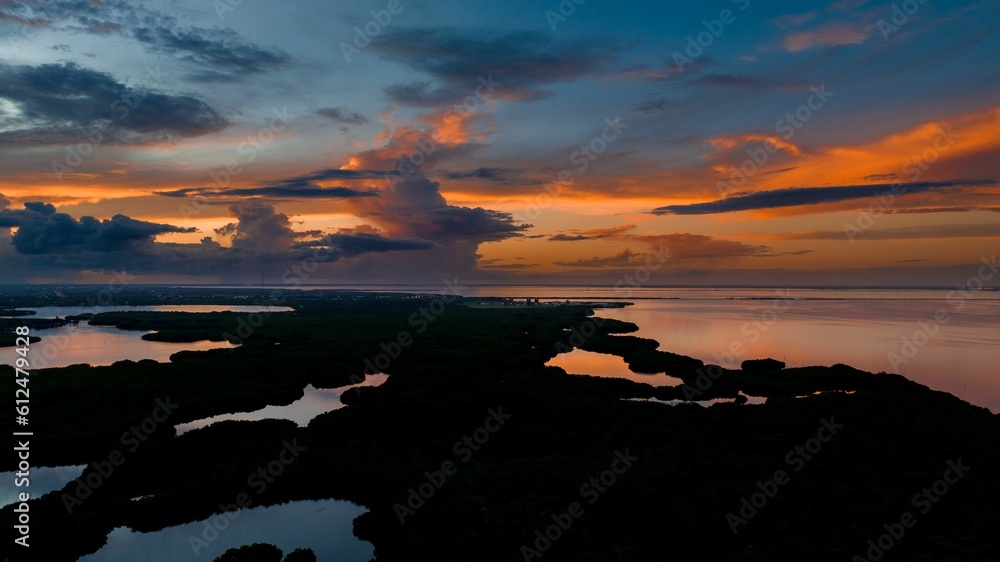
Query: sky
x=726 y=142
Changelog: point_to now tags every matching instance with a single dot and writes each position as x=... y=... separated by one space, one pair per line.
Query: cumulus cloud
x=415 y=207
x=262 y=230
x=47 y=242
x=799 y=196
x=408 y=207
x=56 y=103
x=259 y=227
x=41 y=230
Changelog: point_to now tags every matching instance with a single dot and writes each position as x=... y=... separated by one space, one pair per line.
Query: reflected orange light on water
x=580 y=362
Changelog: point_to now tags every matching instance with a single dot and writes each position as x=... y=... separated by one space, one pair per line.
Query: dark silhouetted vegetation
x=762 y=365
x=301 y=555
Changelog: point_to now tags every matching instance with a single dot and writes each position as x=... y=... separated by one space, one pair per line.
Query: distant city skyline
x=736 y=142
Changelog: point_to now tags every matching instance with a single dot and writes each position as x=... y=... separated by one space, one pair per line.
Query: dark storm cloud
x=798 y=196
x=56 y=101
x=342 y=115
x=41 y=230
x=523 y=63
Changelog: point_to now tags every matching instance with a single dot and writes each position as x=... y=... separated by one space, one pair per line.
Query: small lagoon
x=580 y=362
x=314 y=402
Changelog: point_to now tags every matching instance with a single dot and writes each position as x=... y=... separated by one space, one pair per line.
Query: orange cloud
x=724 y=144
x=924 y=152
x=431 y=136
